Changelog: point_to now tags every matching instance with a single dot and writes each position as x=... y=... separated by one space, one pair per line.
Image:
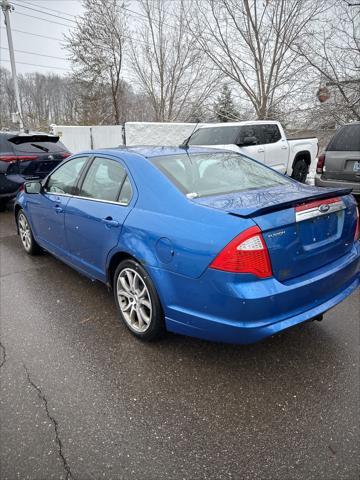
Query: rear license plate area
x=319 y=229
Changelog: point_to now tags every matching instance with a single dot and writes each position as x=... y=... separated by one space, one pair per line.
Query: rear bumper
x=227 y=308
x=321 y=182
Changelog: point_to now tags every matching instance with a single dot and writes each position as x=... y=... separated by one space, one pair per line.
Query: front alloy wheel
x=137 y=300
x=26 y=236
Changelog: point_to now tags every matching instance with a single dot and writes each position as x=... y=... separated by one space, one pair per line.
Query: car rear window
x=217 y=173
x=347 y=139
x=39 y=147
x=215 y=136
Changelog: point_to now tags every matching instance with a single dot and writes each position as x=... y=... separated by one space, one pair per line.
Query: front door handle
x=58 y=209
x=110 y=222
x=261 y=150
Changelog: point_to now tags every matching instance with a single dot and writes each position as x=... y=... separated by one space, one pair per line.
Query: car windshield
x=217 y=173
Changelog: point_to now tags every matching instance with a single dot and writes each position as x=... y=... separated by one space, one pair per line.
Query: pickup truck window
x=269 y=133
x=217 y=173
x=266 y=133
x=215 y=136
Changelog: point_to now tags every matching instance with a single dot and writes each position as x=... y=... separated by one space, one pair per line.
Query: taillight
x=357 y=228
x=320 y=163
x=21 y=188
x=247 y=253
x=14 y=158
x=65 y=155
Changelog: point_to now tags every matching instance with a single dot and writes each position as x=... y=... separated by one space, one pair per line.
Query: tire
x=27 y=239
x=137 y=301
x=300 y=171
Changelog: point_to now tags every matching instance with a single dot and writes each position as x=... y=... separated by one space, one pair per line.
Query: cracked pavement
x=81 y=399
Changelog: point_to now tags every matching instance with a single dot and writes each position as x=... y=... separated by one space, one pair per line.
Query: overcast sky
x=23 y=24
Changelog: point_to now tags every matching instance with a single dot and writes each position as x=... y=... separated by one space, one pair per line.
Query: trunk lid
x=304 y=227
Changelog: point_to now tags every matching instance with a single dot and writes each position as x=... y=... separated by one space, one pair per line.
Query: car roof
x=149 y=152
x=239 y=124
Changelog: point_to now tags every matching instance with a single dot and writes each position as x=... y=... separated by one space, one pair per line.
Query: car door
x=276 y=147
x=94 y=218
x=47 y=209
x=255 y=150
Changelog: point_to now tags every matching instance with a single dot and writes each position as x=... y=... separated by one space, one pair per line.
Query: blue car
x=201 y=242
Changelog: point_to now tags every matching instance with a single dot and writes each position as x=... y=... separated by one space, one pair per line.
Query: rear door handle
x=58 y=209
x=110 y=222
x=261 y=150
x=284 y=147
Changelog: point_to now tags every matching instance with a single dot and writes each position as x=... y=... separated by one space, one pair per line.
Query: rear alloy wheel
x=26 y=236
x=300 y=171
x=137 y=301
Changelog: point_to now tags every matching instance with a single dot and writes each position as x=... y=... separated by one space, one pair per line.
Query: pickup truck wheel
x=300 y=171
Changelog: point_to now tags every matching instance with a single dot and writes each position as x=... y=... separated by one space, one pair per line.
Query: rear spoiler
x=25 y=138
x=255 y=212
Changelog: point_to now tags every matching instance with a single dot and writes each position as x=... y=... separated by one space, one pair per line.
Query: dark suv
x=26 y=156
x=339 y=166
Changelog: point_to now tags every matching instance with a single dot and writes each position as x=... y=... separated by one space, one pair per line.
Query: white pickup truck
x=263 y=140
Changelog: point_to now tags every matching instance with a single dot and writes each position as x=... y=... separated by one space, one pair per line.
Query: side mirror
x=33 y=187
x=248 y=141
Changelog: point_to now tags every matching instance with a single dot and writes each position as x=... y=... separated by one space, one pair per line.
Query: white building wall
x=74 y=138
x=153 y=133
x=78 y=138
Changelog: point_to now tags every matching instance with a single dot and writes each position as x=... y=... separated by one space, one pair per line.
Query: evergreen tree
x=225 y=110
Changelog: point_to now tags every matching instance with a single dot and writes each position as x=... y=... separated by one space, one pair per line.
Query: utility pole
x=6 y=8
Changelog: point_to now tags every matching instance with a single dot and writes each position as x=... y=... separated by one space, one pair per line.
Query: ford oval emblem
x=50 y=157
x=324 y=208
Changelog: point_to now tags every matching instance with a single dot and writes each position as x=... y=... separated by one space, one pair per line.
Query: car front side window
x=104 y=180
x=64 y=179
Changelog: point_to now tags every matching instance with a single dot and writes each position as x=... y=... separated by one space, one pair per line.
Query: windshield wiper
x=44 y=149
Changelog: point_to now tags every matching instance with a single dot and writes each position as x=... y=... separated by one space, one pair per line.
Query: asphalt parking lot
x=82 y=399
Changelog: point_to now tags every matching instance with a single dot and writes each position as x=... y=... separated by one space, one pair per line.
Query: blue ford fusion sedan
x=201 y=242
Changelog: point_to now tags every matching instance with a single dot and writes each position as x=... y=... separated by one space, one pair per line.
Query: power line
x=34 y=34
x=41 y=11
x=34 y=53
x=44 y=19
x=36 y=65
x=132 y=14
x=47 y=8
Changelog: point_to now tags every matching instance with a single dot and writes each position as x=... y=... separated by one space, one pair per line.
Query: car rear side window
x=64 y=179
x=104 y=180
x=126 y=192
x=347 y=139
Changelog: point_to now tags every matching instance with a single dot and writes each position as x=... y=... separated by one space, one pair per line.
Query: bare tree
x=332 y=49
x=96 y=47
x=249 y=42
x=166 y=64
